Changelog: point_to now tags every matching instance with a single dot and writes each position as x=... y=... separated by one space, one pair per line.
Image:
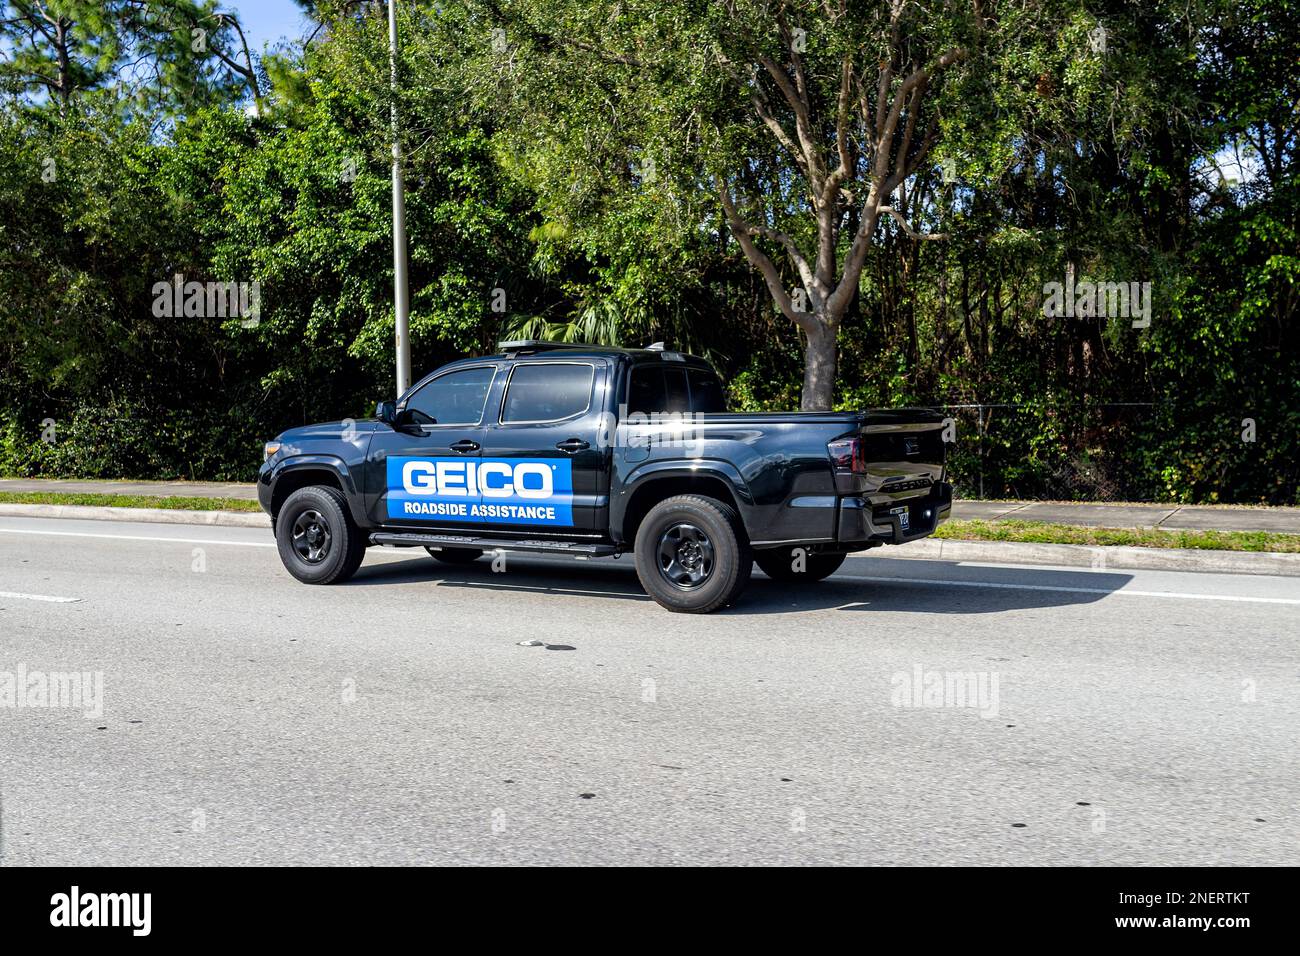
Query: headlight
x=269 y=449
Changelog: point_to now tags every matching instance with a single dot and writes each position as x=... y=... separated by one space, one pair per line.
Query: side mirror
x=386 y=412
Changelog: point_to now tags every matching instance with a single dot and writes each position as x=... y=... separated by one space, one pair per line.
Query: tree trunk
x=873 y=155
x=820 y=355
x=64 y=63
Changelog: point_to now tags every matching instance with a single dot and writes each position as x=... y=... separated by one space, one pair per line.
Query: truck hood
x=338 y=431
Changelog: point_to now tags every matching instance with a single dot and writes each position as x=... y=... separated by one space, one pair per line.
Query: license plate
x=903 y=518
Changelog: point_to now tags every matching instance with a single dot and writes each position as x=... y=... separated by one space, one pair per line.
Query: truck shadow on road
x=882 y=585
x=949 y=587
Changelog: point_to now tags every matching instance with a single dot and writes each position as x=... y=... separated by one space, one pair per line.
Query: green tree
x=800 y=127
x=166 y=52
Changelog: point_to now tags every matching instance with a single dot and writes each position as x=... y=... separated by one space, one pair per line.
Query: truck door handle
x=571 y=445
x=464 y=445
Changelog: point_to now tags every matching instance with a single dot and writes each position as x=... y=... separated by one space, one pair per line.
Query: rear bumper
x=862 y=524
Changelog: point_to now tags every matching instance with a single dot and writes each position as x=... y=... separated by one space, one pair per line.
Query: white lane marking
x=1181 y=595
x=136 y=537
x=375 y=552
x=53 y=599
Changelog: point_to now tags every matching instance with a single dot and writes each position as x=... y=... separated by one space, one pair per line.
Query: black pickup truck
x=593 y=451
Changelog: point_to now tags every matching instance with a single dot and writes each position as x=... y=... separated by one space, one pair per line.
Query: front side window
x=547 y=392
x=456 y=398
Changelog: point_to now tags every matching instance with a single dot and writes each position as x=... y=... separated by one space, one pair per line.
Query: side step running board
x=421 y=539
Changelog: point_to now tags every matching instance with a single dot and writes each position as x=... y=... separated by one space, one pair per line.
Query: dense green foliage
x=562 y=163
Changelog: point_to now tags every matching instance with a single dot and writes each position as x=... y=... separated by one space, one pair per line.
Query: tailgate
x=904 y=453
x=903 y=488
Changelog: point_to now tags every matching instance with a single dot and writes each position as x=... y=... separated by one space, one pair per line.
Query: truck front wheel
x=787 y=564
x=691 y=554
x=318 y=542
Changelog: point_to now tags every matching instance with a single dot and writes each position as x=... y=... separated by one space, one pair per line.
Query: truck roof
x=533 y=347
x=509 y=351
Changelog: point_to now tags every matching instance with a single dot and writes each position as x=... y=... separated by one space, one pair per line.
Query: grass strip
x=1046 y=532
x=171 y=503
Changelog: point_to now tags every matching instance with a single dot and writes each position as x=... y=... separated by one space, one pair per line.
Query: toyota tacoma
x=595 y=451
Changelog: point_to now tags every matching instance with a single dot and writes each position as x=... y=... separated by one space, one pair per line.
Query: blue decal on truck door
x=481 y=490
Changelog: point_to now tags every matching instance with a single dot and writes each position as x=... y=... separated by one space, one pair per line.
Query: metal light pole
x=401 y=295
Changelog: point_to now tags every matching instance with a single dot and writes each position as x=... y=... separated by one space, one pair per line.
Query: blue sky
x=267 y=21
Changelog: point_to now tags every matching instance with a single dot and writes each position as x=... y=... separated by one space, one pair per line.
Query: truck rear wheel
x=785 y=564
x=316 y=537
x=455 y=555
x=691 y=554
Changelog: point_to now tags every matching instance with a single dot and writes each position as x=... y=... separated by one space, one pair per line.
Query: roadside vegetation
x=710 y=175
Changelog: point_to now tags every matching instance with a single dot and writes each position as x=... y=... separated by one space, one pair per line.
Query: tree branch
x=902 y=221
x=771 y=275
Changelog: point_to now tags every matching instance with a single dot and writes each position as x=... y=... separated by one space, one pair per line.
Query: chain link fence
x=1043 y=450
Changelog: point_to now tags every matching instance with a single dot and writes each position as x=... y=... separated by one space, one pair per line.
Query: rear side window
x=678 y=400
x=655 y=389
x=547 y=392
x=645 y=394
x=706 y=391
x=453 y=399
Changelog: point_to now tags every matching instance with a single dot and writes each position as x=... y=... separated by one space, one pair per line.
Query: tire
x=779 y=564
x=455 y=555
x=334 y=551
x=691 y=554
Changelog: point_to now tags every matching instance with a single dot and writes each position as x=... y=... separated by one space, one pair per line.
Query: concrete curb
x=225 y=519
x=1088 y=556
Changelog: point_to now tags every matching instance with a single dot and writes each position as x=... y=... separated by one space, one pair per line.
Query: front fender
x=269 y=477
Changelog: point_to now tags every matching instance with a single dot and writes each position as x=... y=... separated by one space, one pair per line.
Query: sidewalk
x=1164 y=516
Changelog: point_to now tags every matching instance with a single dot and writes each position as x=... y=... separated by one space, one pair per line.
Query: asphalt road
x=1112 y=717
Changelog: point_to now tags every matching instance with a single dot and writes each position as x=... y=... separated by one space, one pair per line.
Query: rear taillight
x=848 y=456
